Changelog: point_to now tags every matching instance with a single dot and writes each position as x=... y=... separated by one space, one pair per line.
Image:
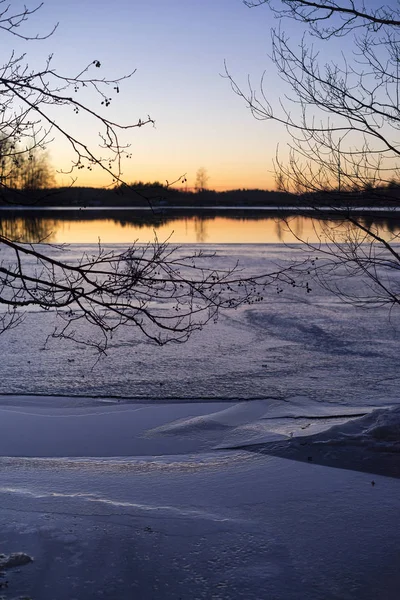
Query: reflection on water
x=211 y=228
x=28 y=229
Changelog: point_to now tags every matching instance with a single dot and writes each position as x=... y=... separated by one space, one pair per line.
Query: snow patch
x=370 y=443
x=379 y=430
x=239 y=414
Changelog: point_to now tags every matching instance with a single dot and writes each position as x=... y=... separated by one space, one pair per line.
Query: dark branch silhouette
x=320 y=16
x=161 y=291
x=343 y=122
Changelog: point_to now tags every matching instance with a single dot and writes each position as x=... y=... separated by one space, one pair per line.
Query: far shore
x=286 y=210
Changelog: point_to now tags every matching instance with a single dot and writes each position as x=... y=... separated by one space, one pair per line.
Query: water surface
x=183 y=227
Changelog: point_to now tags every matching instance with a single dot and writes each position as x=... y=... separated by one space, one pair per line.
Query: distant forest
x=160 y=197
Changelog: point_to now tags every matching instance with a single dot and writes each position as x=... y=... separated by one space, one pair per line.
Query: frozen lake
x=204 y=470
x=293 y=344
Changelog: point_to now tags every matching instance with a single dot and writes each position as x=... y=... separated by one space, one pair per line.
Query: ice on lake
x=293 y=344
x=204 y=470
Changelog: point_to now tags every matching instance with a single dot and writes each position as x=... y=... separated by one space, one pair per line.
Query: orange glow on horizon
x=100 y=183
x=234 y=178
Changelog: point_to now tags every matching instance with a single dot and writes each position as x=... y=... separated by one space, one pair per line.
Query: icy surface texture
x=293 y=344
x=162 y=473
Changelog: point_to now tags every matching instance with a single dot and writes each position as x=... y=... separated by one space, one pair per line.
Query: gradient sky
x=178 y=48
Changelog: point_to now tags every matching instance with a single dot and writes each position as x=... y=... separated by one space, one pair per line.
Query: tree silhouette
x=201 y=180
x=27 y=169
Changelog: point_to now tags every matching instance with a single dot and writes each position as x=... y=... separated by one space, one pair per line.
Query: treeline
x=33 y=191
x=141 y=195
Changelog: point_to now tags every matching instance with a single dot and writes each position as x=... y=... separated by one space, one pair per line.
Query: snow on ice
x=205 y=470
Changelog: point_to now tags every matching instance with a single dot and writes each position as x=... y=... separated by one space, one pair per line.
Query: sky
x=178 y=48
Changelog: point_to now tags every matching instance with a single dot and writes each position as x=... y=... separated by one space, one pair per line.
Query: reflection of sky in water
x=218 y=230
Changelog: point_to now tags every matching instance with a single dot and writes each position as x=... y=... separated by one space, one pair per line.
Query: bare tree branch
x=343 y=121
x=346 y=16
x=163 y=293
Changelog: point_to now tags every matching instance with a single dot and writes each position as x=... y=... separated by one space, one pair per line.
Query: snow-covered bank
x=370 y=443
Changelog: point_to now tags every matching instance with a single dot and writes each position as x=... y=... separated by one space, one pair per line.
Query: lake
x=209 y=226
x=163 y=472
